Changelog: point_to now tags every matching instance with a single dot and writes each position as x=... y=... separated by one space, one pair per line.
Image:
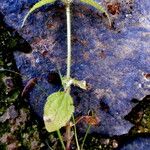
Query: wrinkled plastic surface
x=138 y=144
x=114 y=61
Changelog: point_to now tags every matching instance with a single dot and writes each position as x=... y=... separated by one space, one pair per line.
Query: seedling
x=90 y=120
x=59 y=106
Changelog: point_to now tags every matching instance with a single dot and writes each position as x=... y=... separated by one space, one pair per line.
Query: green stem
x=69 y=60
x=87 y=131
x=68 y=39
x=61 y=140
x=68 y=72
x=75 y=133
x=68 y=128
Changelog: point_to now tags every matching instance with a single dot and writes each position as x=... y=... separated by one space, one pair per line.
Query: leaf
x=58 y=110
x=98 y=7
x=68 y=82
x=30 y=85
x=90 y=120
x=36 y=6
x=81 y=84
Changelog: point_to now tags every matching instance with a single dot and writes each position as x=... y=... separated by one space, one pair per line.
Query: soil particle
x=7 y=138
x=13 y=146
x=19 y=121
x=114 y=144
x=10 y=113
x=114 y=8
x=34 y=145
x=8 y=81
x=105 y=141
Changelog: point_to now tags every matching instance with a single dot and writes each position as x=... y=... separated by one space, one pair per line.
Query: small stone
x=10 y=113
x=13 y=146
x=115 y=144
x=105 y=141
x=8 y=81
x=7 y=138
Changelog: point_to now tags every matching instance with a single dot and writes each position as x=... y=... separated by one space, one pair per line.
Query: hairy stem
x=87 y=131
x=61 y=140
x=75 y=133
x=68 y=128
x=68 y=39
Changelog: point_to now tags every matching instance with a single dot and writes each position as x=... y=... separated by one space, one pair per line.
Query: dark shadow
x=10 y=40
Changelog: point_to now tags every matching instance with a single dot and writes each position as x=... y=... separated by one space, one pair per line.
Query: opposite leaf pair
x=59 y=106
x=44 y=2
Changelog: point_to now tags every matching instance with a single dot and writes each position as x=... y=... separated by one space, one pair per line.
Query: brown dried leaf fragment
x=29 y=86
x=90 y=120
x=113 y=8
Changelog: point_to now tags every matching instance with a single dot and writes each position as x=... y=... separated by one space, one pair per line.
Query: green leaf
x=98 y=7
x=58 y=110
x=36 y=6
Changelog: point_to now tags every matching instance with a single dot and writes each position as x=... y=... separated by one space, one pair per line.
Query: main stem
x=68 y=14
x=68 y=40
x=68 y=128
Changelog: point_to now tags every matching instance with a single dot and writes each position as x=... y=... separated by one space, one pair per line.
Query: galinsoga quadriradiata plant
x=59 y=107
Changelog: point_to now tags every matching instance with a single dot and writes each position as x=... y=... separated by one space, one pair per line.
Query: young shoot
x=59 y=106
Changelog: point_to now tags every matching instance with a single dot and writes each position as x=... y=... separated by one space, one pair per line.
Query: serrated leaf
x=98 y=7
x=36 y=6
x=58 y=110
